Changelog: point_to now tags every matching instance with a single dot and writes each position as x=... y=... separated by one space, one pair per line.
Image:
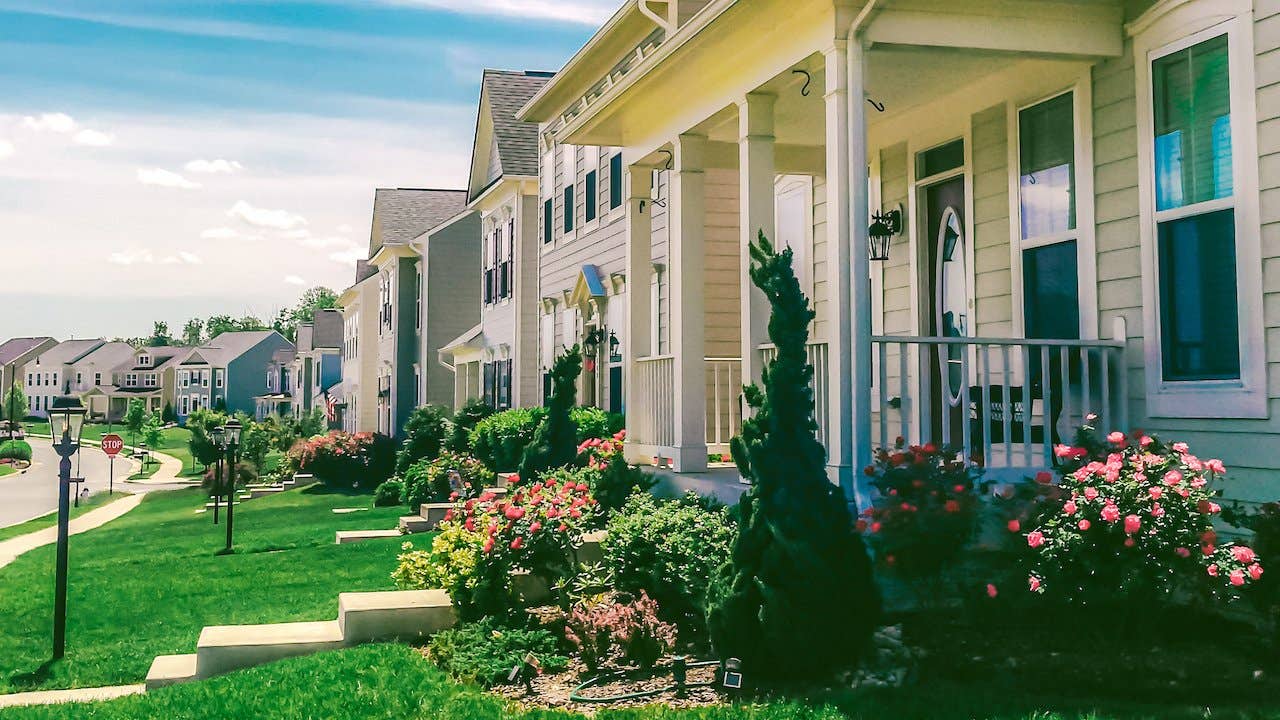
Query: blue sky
x=167 y=158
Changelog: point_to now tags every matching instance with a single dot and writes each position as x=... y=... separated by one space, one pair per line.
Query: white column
x=688 y=310
x=636 y=342
x=757 y=169
x=859 y=270
x=840 y=453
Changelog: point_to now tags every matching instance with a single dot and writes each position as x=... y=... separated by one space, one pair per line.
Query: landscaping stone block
x=405 y=614
x=590 y=552
x=410 y=524
x=345 y=537
x=171 y=670
x=434 y=513
x=530 y=588
x=223 y=648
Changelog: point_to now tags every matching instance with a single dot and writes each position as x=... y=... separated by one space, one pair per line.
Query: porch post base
x=853 y=482
x=689 y=459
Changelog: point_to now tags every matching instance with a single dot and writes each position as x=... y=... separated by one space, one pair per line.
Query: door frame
x=918 y=234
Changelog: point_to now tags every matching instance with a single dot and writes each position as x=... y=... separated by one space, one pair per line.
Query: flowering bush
x=449 y=476
x=613 y=479
x=1132 y=516
x=925 y=512
x=342 y=458
x=537 y=529
x=632 y=628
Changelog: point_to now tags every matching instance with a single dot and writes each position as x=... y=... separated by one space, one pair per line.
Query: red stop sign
x=112 y=445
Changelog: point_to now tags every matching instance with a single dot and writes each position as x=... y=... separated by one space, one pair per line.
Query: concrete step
x=223 y=648
x=171 y=670
x=410 y=524
x=398 y=614
x=256 y=493
x=590 y=552
x=434 y=513
x=345 y=537
x=222 y=505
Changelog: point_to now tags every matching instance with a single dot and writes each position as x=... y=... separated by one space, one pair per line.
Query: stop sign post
x=112 y=445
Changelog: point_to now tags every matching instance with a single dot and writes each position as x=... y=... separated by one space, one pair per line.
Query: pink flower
x=514 y=512
x=1255 y=571
x=1044 y=477
x=1156 y=491
x=1068 y=452
x=1156 y=510
x=1110 y=513
x=1083 y=525
x=1132 y=524
x=1208 y=549
x=488 y=545
x=1182 y=553
x=517 y=543
x=1090 y=493
x=1035 y=538
x=1237 y=577
x=1128 y=542
x=535 y=526
x=1069 y=507
x=1116 y=438
x=1145 y=440
x=952 y=506
x=991 y=590
x=1180 y=447
x=1014 y=525
x=1208 y=508
x=1212 y=570
x=1173 y=477
x=1243 y=553
x=1215 y=466
x=1033 y=582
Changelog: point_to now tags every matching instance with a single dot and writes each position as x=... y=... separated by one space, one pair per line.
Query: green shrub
x=464 y=421
x=430 y=481
x=15 y=450
x=388 y=493
x=669 y=549
x=555 y=442
x=499 y=440
x=593 y=422
x=483 y=652
x=424 y=433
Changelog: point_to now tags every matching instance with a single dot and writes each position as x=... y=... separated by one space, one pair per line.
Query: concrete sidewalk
x=12 y=548
x=51 y=697
x=169 y=472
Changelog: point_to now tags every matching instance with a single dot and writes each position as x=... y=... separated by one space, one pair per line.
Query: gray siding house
x=15 y=353
x=228 y=371
x=450 y=285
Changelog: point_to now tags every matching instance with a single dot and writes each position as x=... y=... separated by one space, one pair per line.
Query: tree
x=152 y=431
x=288 y=319
x=14 y=406
x=312 y=424
x=424 y=434
x=192 y=333
x=464 y=420
x=167 y=415
x=160 y=335
x=219 y=324
x=255 y=441
x=797 y=600
x=201 y=424
x=135 y=416
x=555 y=442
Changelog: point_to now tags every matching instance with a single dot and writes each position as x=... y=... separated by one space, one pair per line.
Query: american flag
x=330 y=407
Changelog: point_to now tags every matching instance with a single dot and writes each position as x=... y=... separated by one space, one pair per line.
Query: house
x=228 y=372
x=48 y=373
x=399 y=216
x=495 y=359
x=96 y=371
x=317 y=364
x=449 y=305
x=15 y=353
x=359 y=408
x=279 y=399
x=149 y=374
x=1071 y=196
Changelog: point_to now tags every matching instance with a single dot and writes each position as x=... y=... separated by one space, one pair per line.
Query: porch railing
x=1002 y=402
x=819 y=360
x=655 y=380
x=724 y=401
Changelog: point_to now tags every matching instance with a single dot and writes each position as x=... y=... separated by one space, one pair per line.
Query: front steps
x=346 y=537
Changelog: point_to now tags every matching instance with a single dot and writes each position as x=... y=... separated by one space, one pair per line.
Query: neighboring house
x=358 y=411
x=1072 y=194
x=149 y=374
x=447 y=303
x=95 y=372
x=317 y=365
x=227 y=372
x=496 y=358
x=400 y=216
x=280 y=397
x=48 y=375
x=14 y=356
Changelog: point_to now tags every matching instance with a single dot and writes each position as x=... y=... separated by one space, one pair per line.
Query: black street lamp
x=232 y=429
x=66 y=421
x=219 y=437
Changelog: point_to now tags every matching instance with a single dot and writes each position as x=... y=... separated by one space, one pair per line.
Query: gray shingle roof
x=402 y=214
x=229 y=346
x=12 y=349
x=68 y=351
x=508 y=91
x=109 y=355
x=326 y=330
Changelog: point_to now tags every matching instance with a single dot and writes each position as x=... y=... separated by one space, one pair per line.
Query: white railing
x=1002 y=403
x=655 y=381
x=724 y=401
x=818 y=360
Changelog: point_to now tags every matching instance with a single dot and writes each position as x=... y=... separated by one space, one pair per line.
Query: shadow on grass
x=34 y=678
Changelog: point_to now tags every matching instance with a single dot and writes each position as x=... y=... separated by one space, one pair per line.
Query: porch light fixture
x=614 y=343
x=884 y=226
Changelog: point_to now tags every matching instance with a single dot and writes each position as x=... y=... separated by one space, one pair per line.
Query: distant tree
x=135 y=417
x=312 y=424
x=152 y=431
x=15 y=405
x=288 y=319
x=160 y=335
x=201 y=424
x=218 y=324
x=168 y=415
x=255 y=441
x=192 y=332
x=555 y=442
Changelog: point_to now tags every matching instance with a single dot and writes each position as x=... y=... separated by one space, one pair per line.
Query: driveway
x=35 y=492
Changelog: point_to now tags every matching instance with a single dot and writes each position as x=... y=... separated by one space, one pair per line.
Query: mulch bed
x=552 y=691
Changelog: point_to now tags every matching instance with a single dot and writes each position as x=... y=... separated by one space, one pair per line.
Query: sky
x=168 y=159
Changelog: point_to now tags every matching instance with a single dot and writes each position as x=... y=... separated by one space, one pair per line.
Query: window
x=548 y=220
x=590 y=199
x=144 y=360
x=79 y=378
x=97 y=378
x=615 y=182
x=184 y=405
x=219 y=377
x=204 y=378
x=548 y=340
x=568 y=209
x=940 y=159
x=1202 y=275
x=417 y=308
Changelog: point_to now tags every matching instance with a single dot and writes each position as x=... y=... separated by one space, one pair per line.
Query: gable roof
x=15 y=348
x=68 y=352
x=109 y=355
x=227 y=347
x=326 y=329
x=401 y=214
x=502 y=94
x=161 y=356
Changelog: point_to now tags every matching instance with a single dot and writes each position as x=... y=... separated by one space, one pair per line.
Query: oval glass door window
x=953 y=296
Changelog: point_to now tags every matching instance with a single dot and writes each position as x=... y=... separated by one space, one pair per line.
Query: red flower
x=517 y=543
x=952 y=506
x=1212 y=570
x=1132 y=524
x=514 y=512
x=488 y=545
x=1069 y=507
x=1255 y=571
x=875 y=527
x=1014 y=525
x=1033 y=583
x=1243 y=554
x=1044 y=477
x=1182 y=553
x=562 y=527
x=1035 y=538
x=1083 y=525
x=860 y=525
x=535 y=526
x=991 y=590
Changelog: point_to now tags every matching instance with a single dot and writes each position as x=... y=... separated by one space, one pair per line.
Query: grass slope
x=173 y=441
x=145 y=585
x=394 y=681
x=95 y=500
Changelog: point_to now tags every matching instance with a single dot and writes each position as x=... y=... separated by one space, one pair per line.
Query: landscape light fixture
x=66 y=421
x=231 y=432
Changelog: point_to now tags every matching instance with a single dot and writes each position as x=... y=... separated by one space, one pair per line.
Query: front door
x=946 y=305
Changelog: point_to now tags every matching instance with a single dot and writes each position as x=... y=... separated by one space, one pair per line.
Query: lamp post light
x=66 y=421
x=219 y=438
x=232 y=429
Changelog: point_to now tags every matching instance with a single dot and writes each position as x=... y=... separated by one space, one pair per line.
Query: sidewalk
x=12 y=548
x=50 y=697
x=170 y=472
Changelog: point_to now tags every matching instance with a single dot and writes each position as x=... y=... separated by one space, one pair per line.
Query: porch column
x=636 y=343
x=688 y=306
x=758 y=174
x=840 y=451
x=860 y=270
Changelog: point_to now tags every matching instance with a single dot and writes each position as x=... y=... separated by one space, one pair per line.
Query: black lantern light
x=591 y=343
x=66 y=421
x=232 y=435
x=884 y=226
x=615 y=354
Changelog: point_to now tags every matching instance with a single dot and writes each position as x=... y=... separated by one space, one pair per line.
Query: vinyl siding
x=993 y=291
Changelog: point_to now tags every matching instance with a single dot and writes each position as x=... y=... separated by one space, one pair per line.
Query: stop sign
x=112 y=445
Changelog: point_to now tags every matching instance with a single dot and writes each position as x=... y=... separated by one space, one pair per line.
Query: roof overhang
x=588 y=287
x=500 y=188
x=387 y=253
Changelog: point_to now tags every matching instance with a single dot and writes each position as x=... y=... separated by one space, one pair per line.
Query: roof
x=507 y=92
x=110 y=355
x=401 y=214
x=326 y=329
x=68 y=352
x=15 y=348
x=228 y=346
x=284 y=355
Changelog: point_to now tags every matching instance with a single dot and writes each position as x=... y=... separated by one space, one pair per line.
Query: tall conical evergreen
x=555 y=442
x=797 y=599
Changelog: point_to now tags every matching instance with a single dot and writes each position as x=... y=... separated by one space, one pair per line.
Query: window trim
x=1166 y=29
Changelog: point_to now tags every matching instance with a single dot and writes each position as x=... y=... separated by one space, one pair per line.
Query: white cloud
x=189 y=258
x=144 y=256
x=93 y=138
x=6 y=149
x=213 y=167
x=165 y=178
x=327 y=242
x=51 y=122
x=263 y=218
x=343 y=228
x=294 y=280
x=348 y=256
x=219 y=233
x=585 y=12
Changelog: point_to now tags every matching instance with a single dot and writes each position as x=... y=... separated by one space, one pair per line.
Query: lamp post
x=232 y=429
x=66 y=421
x=219 y=438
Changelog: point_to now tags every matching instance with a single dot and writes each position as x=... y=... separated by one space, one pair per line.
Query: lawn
x=47 y=520
x=145 y=585
x=173 y=441
x=394 y=681
x=7 y=470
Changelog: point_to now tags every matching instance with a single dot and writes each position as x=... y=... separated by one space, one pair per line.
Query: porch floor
x=722 y=483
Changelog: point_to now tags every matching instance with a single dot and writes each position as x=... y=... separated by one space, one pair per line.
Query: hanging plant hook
x=808 y=79
x=671 y=157
x=879 y=106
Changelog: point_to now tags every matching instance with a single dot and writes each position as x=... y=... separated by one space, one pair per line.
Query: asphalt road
x=35 y=492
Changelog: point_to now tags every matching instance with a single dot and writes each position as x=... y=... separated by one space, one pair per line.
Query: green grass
x=47 y=520
x=7 y=470
x=394 y=681
x=145 y=585
x=173 y=442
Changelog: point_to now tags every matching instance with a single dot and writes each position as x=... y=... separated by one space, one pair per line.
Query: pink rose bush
x=601 y=629
x=597 y=453
x=344 y=458
x=1132 y=515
